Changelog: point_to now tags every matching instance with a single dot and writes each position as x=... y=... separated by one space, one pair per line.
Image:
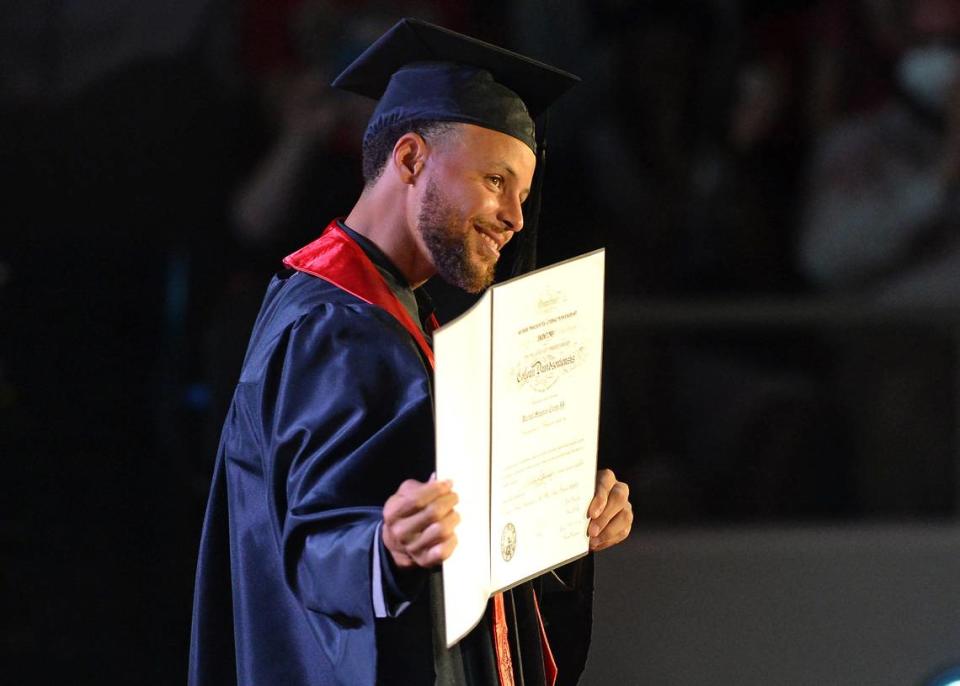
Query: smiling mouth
x=493 y=241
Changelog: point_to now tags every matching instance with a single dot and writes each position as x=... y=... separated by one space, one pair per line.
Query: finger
x=438 y=553
x=413 y=496
x=616 y=531
x=405 y=528
x=402 y=560
x=605 y=481
x=618 y=497
x=424 y=490
x=436 y=533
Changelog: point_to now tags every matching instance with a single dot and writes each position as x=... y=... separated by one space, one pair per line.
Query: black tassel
x=525 y=257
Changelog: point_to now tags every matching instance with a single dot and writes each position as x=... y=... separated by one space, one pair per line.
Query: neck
x=380 y=214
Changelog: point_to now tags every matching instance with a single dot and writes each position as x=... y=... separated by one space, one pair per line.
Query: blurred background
x=776 y=184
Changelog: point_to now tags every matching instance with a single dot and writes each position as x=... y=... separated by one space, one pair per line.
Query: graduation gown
x=333 y=410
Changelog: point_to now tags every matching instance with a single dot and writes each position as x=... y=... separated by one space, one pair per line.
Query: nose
x=511 y=213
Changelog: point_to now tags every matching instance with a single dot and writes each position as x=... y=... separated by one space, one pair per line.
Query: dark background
x=771 y=357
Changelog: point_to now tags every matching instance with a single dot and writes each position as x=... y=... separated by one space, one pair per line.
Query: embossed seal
x=508 y=542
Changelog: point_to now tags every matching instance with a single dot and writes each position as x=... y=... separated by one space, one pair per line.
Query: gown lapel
x=334 y=257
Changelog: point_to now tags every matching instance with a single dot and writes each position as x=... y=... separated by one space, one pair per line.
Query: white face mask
x=928 y=73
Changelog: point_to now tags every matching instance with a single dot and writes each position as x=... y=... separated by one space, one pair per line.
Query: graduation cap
x=420 y=72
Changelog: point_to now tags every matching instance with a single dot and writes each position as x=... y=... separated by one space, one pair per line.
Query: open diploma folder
x=517 y=383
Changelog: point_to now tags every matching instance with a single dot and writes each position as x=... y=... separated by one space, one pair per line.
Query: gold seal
x=508 y=542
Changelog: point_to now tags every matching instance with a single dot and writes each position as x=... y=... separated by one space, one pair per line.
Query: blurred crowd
x=160 y=161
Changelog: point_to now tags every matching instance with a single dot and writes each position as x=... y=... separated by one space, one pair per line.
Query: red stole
x=336 y=258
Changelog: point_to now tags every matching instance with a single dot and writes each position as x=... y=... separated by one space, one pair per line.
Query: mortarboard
x=420 y=72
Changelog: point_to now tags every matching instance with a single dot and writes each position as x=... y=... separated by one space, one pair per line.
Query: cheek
x=484 y=206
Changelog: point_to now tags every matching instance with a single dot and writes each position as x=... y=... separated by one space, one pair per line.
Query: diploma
x=517 y=388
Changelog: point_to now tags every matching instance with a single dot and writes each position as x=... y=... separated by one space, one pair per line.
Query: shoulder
x=309 y=318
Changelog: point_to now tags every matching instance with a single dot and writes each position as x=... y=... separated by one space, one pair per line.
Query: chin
x=472 y=278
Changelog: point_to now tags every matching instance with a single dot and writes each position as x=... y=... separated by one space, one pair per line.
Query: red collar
x=334 y=257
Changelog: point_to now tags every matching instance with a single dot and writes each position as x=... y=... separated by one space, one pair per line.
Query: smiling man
x=324 y=529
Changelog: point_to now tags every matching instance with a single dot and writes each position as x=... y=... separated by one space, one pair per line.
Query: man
x=323 y=512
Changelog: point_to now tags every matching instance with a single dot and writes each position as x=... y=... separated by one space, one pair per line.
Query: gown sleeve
x=344 y=411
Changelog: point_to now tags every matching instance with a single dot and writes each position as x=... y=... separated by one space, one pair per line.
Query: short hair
x=378 y=147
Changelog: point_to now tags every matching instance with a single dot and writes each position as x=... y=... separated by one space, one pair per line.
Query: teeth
x=492 y=243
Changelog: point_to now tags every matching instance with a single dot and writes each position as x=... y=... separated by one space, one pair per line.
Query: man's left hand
x=610 y=512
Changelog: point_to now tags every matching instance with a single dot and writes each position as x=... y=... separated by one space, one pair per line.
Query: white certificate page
x=546 y=362
x=462 y=413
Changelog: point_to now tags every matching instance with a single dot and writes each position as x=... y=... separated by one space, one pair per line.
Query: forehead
x=475 y=146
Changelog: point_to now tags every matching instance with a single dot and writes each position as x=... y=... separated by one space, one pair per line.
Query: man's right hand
x=418 y=523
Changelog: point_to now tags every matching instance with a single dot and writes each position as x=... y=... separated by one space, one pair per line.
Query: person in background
x=880 y=227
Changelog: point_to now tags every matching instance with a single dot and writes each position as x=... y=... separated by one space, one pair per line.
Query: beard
x=447 y=237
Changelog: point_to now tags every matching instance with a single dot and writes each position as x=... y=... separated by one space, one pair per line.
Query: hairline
x=435 y=132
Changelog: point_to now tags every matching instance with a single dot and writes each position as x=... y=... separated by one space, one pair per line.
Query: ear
x=409 y=154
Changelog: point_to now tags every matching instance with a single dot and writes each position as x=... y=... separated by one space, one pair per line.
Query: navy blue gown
x=332 y=412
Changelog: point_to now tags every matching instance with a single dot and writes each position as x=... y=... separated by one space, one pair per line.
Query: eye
x=495 y=180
